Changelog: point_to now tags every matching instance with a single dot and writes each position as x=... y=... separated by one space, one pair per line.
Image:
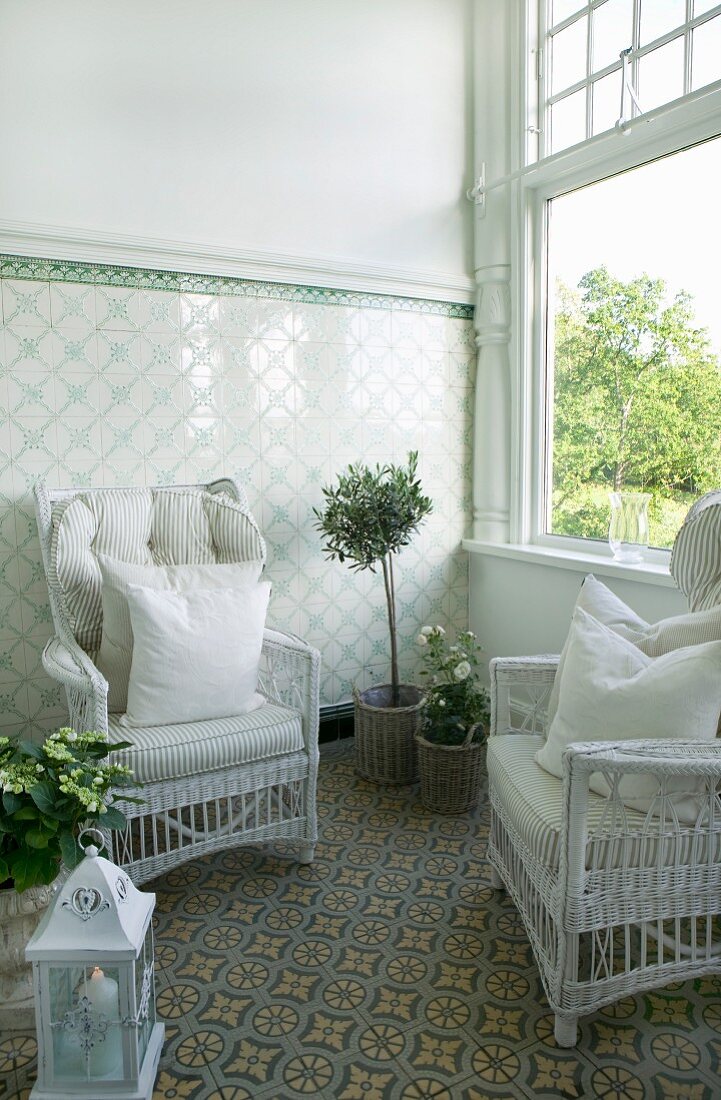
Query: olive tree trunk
x=387 y=563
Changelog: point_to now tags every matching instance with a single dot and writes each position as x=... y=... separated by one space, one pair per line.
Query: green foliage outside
x=637 y=404
x=49 y=792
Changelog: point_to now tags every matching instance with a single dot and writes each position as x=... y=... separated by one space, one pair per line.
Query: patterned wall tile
x=118 y=376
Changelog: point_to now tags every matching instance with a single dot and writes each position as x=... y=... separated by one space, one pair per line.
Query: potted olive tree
x=370 y=514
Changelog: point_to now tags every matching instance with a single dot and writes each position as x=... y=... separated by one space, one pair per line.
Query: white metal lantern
x=92 y=957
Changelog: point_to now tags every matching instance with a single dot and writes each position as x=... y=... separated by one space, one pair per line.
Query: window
x=672 y=48
x=634 y=343
x=618 y=236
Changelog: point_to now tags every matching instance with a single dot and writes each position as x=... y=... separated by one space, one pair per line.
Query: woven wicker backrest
x=160 y=526
x=696 y=555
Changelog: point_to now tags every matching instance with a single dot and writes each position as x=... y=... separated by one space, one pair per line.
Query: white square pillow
x=611 y=691
x=195 y=654
x=653 y=639
x=116 y=646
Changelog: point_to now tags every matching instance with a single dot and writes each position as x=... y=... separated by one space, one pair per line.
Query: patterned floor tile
x=386 y=970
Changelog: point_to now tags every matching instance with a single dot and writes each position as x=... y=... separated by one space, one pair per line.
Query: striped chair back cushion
x=144 y=526
x=696 y=554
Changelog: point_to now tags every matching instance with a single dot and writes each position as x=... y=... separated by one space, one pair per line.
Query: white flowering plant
x=455 y=702
x=48 y=792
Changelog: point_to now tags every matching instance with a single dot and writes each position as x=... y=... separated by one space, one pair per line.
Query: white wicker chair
x=613 y=901
x=261 y=784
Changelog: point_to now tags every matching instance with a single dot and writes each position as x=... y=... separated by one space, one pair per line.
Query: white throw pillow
x=116 y=647
x=653 y=639
x=611 y=691
x=195 y=654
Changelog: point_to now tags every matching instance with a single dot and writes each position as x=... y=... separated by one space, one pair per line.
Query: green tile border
x=140 y=278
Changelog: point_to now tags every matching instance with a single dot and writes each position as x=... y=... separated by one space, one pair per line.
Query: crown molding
x=90 y=246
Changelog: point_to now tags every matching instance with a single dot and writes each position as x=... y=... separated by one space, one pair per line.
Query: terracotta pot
x=20 y=914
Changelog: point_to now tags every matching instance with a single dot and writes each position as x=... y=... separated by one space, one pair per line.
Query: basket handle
x=471 y=734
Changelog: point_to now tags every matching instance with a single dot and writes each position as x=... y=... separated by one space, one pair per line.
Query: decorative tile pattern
x=72 y=271
x=118 y=376
x=387 y=969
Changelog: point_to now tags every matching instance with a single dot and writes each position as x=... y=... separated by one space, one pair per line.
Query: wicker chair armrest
x=531 y=677
x=598 y=858
x=290 y=674
x=662 y=757
x=85 y=687
x=70 y=665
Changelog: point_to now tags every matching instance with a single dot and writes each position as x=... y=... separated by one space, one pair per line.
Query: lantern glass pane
x=85 y=1022
x=145 y=995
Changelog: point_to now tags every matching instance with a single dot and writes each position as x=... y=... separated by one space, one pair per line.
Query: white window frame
x=675 y=126
x=638 y=51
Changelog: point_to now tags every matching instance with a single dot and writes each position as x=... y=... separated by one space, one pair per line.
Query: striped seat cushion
x=532 y=800
x=193 y=748
x=161 y=526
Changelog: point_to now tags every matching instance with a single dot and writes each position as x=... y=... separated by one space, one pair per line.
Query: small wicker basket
x=385 y=737
x=450 y=774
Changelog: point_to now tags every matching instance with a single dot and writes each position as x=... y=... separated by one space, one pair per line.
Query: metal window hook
x=627 y=89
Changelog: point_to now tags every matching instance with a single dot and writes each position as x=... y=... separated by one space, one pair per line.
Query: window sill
x=645 y=572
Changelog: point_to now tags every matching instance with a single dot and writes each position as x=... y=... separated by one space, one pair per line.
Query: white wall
x=519 y=608
x=330 y=128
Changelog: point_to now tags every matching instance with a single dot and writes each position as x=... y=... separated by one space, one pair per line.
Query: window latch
x=627 y=92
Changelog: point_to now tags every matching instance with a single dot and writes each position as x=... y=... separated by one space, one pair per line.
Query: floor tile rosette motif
x=387 y=970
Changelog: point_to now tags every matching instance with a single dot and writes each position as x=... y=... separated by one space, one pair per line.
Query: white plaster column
x=494 y=124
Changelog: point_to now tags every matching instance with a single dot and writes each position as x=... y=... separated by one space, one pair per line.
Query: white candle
x=106 y=1051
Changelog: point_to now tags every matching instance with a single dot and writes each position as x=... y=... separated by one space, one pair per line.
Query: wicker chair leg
x=565 y=1030
x=496 y=881
x=306 y=853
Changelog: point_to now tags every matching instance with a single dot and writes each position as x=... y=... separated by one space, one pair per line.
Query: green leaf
x=116 y=746
x=26 y=813
x=36 y=838
x=71 y=851
x=113 y=819
x=44 y=795
x=11 y=802
x=31 y=749
x=4 y=870
x=30 y=867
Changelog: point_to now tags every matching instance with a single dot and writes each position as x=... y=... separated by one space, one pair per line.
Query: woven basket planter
x=450 y=775
x=385 y=737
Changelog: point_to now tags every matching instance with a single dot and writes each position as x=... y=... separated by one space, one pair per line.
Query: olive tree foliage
x=369 y=515
x=637 y=397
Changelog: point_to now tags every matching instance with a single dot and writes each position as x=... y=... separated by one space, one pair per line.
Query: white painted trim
x=646 y=572
x=667 y=129
x=91 y=246
x=670 y=128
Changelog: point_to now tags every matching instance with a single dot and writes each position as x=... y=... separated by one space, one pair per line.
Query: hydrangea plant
x=48 y=792
x=455 y=702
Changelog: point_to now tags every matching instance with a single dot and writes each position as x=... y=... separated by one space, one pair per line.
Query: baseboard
x=336 y=722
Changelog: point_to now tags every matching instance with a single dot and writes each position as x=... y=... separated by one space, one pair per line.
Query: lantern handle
x=95 y=835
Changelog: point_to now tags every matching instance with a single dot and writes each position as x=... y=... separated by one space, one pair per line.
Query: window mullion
x=544 y=90
x=636 y=42
x=687 y=49
x=589 y=68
